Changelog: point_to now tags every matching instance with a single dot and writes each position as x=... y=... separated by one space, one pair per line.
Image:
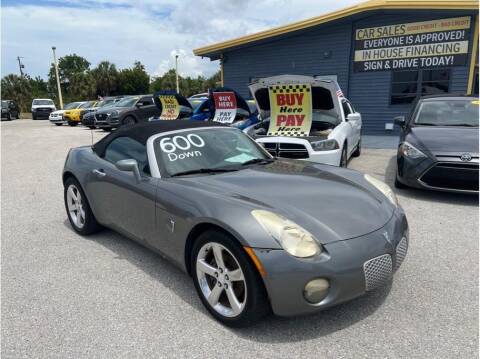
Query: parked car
x=129 y=110
x=254 y=232
x=56 y=117
x=202 y=95
x=335 y=134
x=72 y=116
x=10 y=110
x=438 y=146
x=204 y=109
x=41 y=108
x=88 y=115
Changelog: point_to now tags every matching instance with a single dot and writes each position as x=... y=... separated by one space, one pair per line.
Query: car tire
x=58 y=124
x=107 y=129
x=248 y=289
x=72 y=123
x=344 y=156
x=34 y=117
x=129 y=120
x=78 y=209
x=91 y=127
x=358 y=149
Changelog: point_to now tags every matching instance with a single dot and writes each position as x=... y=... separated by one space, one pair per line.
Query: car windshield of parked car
x=206 y=150
x=195 y=103
x=126 y=102
x=71 y=105
x=43 y=102
x=4 y=104
x=448 y=113
x=87 y=104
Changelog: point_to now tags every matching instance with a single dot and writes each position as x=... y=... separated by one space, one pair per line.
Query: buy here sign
x=225 y=107
x=290 y=110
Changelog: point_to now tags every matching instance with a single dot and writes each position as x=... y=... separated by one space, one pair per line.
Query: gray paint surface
x=64 y=296
x=327 y=50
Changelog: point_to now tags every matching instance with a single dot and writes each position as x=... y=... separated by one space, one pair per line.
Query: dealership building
x=383 y=53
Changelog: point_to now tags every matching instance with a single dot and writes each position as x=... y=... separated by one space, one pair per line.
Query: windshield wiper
x=204 y=170
x=262 y=161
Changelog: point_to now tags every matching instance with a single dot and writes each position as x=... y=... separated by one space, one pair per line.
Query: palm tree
x=106 y=77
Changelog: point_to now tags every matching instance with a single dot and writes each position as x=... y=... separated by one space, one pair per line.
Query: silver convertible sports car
x=256 y=233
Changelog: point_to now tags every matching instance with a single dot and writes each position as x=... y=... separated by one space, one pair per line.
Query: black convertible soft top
x=142 y=131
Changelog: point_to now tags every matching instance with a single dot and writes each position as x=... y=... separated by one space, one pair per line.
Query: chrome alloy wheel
x=221 y=279
x=75 y=206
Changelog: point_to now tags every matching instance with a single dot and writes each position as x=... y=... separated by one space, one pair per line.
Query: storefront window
x=408 y=85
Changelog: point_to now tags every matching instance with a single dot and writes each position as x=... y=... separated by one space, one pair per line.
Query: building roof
x=370 y=5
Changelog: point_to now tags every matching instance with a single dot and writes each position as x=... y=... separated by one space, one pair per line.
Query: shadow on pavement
x=427 y=195
x=271 y=329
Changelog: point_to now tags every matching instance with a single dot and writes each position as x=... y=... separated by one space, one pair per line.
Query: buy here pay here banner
x=290 y=110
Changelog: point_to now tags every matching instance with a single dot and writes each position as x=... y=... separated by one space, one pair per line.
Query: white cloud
x=123 y=31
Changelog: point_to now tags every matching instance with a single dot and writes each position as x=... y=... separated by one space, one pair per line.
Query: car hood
x=318 y=197
x=57 y=112
x=445 y=139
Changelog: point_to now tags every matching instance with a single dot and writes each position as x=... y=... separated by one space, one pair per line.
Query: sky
x=149 y=31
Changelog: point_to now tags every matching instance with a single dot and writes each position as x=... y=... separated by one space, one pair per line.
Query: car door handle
x=99 y=173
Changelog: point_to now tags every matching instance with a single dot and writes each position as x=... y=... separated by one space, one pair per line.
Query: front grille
x=286 y=150
x=377 y=271
x=401 y=252
x=101 y=117
x=452 y=175
x=44 y=109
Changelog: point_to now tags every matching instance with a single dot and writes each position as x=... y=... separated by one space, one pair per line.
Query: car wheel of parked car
x=344 y=158
x=91 y=127
x=78 y=209
x=129 y=120
x=33 y=117
x=226 y=280
x=72 y=123
x=358 y=150
x=58 y=124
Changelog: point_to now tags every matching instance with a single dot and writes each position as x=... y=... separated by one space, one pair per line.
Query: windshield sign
x=448 y=113
x=205 y=149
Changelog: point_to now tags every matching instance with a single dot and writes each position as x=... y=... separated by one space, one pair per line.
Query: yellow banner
x=456 y=23
x=170 y=107
x=290 y=110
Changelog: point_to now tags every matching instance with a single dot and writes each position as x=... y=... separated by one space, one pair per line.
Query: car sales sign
x=426 y=44
x=225 y=107
x=290 y=110
x=170 y=107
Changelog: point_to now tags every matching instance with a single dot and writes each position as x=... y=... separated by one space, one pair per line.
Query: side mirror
x=129 y=165
x=399 y=120
x=353 y=117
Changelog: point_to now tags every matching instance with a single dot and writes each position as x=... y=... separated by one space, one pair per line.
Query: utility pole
x=176 y=72
x=58 y=78
x=20 y=65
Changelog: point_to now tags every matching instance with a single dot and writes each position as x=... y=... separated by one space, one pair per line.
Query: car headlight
x=113 y=113
x=33 y=109
x=383 y=187
x=325 y=145
x=407 y=150
x=294 y=239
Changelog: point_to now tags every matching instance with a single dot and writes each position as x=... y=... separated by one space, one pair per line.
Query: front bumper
x=446 y=172
x=352 y=266
x=56 y=119
x=299 y=148
x=41 y=114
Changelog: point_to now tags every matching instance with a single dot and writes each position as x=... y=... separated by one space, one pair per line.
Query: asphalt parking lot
x=64 y=296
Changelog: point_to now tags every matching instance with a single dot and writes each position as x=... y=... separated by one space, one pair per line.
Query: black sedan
x=438 y=146
x=10 y=110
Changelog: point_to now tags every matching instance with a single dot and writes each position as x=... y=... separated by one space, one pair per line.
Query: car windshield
x=206 y=150
x=4 y=104
x=196 y=103
x=71 y=105
x=126 y=102
x=462 y=112
x=87 y=104
x=43 y=102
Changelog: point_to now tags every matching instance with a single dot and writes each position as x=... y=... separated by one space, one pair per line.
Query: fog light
x=316 y=290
